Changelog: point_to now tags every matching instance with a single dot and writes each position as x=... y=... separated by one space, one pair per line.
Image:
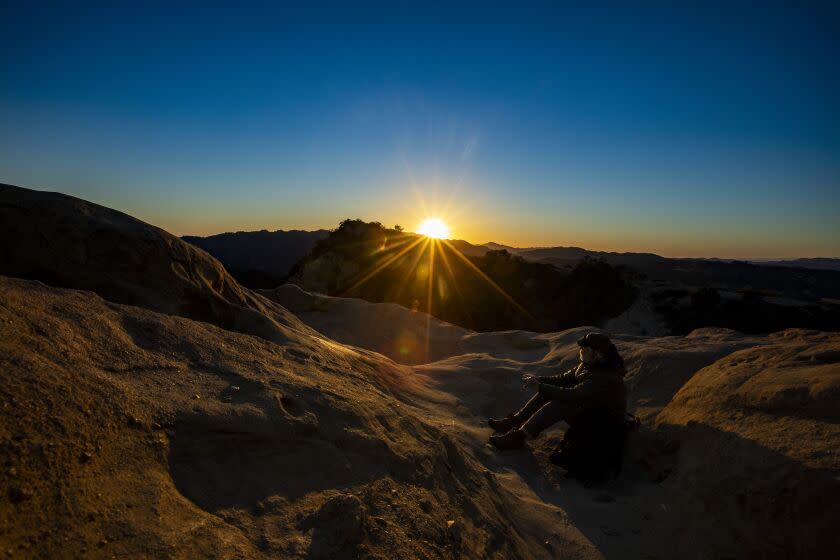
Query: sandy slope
x=206 y=420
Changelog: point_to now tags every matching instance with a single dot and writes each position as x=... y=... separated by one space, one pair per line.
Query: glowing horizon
x=635 y=132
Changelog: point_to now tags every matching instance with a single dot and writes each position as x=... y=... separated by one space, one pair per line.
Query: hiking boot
x=514 y=439
x=503 y=425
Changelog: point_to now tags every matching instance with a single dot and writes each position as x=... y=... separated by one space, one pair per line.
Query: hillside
x=492 y=291
x=131 y=428
x=677 y=296
x=72 y=243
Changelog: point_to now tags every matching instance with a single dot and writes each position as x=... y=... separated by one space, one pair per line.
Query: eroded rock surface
x=67 y=242
x=176 y=414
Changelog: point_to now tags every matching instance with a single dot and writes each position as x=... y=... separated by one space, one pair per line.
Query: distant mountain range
x=264 y=259
x=814 y=264
x=259 y=259
x=569 y=255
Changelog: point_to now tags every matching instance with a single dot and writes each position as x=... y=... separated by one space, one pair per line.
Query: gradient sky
x=685 y=129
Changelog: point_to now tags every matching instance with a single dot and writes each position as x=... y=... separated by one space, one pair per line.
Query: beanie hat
x=602 y=343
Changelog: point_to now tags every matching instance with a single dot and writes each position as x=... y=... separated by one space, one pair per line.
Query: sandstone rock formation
x=173 y=413
x=68 y=242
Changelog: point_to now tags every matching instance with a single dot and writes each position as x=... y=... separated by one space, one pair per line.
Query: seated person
x=596 y=383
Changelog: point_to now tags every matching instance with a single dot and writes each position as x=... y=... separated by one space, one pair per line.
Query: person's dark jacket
x=598 y=386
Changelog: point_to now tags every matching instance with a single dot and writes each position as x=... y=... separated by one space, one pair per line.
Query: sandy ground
x=176 y=414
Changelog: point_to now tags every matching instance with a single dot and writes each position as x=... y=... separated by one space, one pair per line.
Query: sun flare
x=434 y=228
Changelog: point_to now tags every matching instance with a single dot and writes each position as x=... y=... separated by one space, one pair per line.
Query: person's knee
x=530 y=432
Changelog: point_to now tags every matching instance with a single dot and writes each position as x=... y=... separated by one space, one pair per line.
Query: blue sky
x=686 y=129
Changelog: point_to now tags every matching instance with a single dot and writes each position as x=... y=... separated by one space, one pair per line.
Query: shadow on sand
x=696 y=489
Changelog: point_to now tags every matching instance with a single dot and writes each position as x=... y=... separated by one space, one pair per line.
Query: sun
x=434 y=228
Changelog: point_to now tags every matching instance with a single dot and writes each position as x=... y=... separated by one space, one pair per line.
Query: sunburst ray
x=486 y=278
x=384 y=265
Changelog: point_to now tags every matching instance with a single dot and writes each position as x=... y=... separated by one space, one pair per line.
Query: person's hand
x=528 y=379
